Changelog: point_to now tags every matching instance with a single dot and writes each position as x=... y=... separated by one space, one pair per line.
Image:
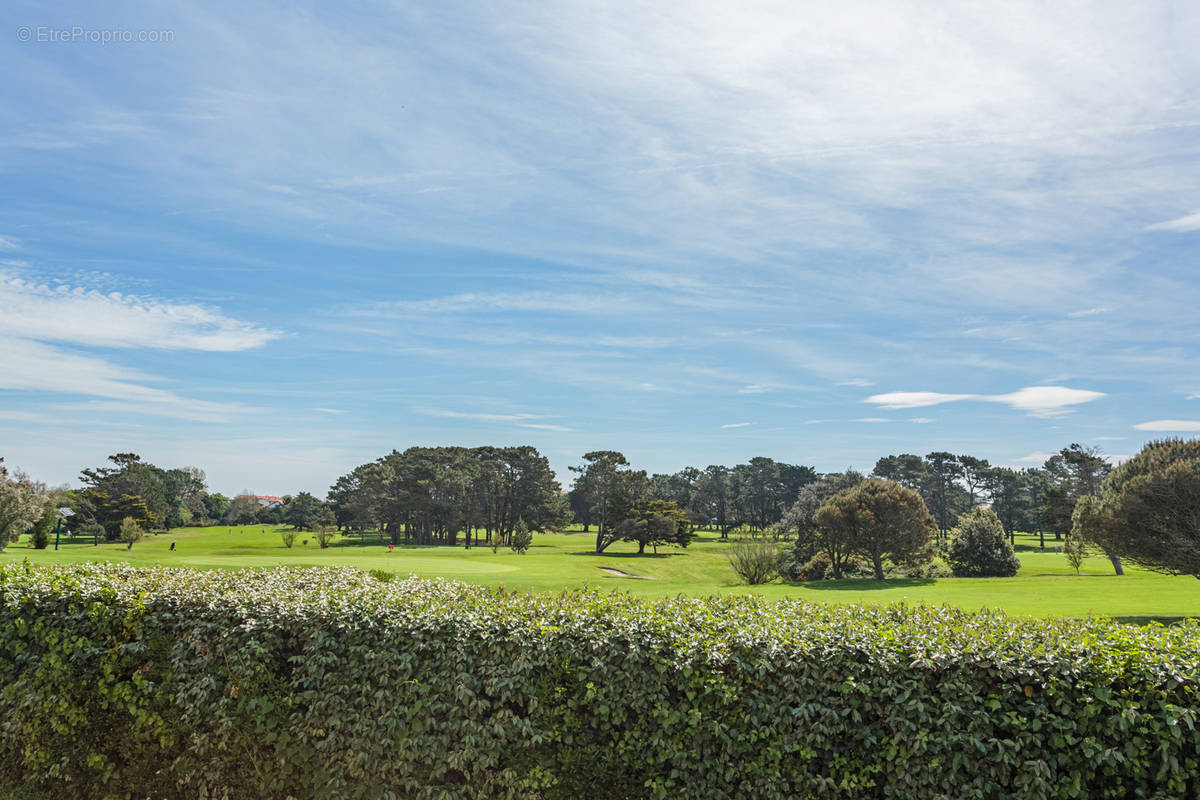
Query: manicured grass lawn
x=1046 y=585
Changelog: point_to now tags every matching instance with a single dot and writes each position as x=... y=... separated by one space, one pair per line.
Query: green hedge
x=120 y=682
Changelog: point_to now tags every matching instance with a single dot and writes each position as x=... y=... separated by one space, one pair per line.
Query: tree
x=1075 y=549
x=979 y=548
x=878 y=520
x=944 y=470
x=21 y=504
x=131 y=531
x=324 y=523
x=216 y=506
x=613 y=489
x=800 y=519
x=711 y=500
x=976 y=473
x=521 y=537
x=655 y=522
x=1149 y=511
x=303 y=511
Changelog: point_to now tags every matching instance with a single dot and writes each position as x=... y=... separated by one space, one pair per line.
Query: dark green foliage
x=521 y=537
x=875 y=520
x=979 y=548
x=327 y=683
x=40 y=536
x=1150 y=509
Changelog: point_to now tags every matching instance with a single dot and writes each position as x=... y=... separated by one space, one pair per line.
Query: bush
x=289 y=537
x=755 y=561
x=815 y=569
x=324 y=536
x=521 y=537
x=979 y=547
x=933 y=568
x=120 y=682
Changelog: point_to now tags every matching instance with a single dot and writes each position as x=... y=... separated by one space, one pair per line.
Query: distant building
x=265 y=500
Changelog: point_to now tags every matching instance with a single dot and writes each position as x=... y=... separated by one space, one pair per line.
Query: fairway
x=1045 y=586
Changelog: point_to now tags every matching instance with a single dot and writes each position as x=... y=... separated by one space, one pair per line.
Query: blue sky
x=278 y=241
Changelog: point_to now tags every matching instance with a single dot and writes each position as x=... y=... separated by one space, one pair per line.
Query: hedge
x=122 y=682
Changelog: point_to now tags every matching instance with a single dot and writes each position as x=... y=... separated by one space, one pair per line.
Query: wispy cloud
x=855 y=382
x=1184 y=224
x=9 y=243
x=1089 y=312
x=331 y=410
x=754 y=388
x=1035 y=458
x=33 y=366
x=738 y=424
x=922 y=420
x=63 y=313
x=1169 y=425
x=873 y=419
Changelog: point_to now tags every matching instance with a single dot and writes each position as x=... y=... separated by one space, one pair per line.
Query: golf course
x=1045 y=586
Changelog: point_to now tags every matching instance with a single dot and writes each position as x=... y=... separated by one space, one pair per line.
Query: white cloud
x=754 y=388
x=739 y=424
x=76 y=315
x=916 y=399
x=1169 y=425
x=1037 y=401
x=872 y=419
x=922 y=420
x=1035 y=458
x=331 y=410
x=537 y=427
x=1184 y=224
x=9 y=243
x=1045 y=401
x=1089 y=312
x=855 y=382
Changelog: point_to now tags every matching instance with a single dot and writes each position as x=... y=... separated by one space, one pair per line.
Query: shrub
x=521 y=537
x=815 y=569
x=324 y=536
x=289 y=537
x=979 y=547
x=122 y=682
x=40 y=538
x=933 y=568
x=755 y=560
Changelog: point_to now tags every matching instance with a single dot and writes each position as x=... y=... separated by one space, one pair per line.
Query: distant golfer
x=172 y=548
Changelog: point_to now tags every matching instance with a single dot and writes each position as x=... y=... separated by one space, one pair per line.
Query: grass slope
x=1046 y=585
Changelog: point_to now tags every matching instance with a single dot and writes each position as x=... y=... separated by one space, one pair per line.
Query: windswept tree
x=654 y=523
x=613 y=488
x=1149 y=511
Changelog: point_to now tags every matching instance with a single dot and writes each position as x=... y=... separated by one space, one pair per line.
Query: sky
x=276 y=241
